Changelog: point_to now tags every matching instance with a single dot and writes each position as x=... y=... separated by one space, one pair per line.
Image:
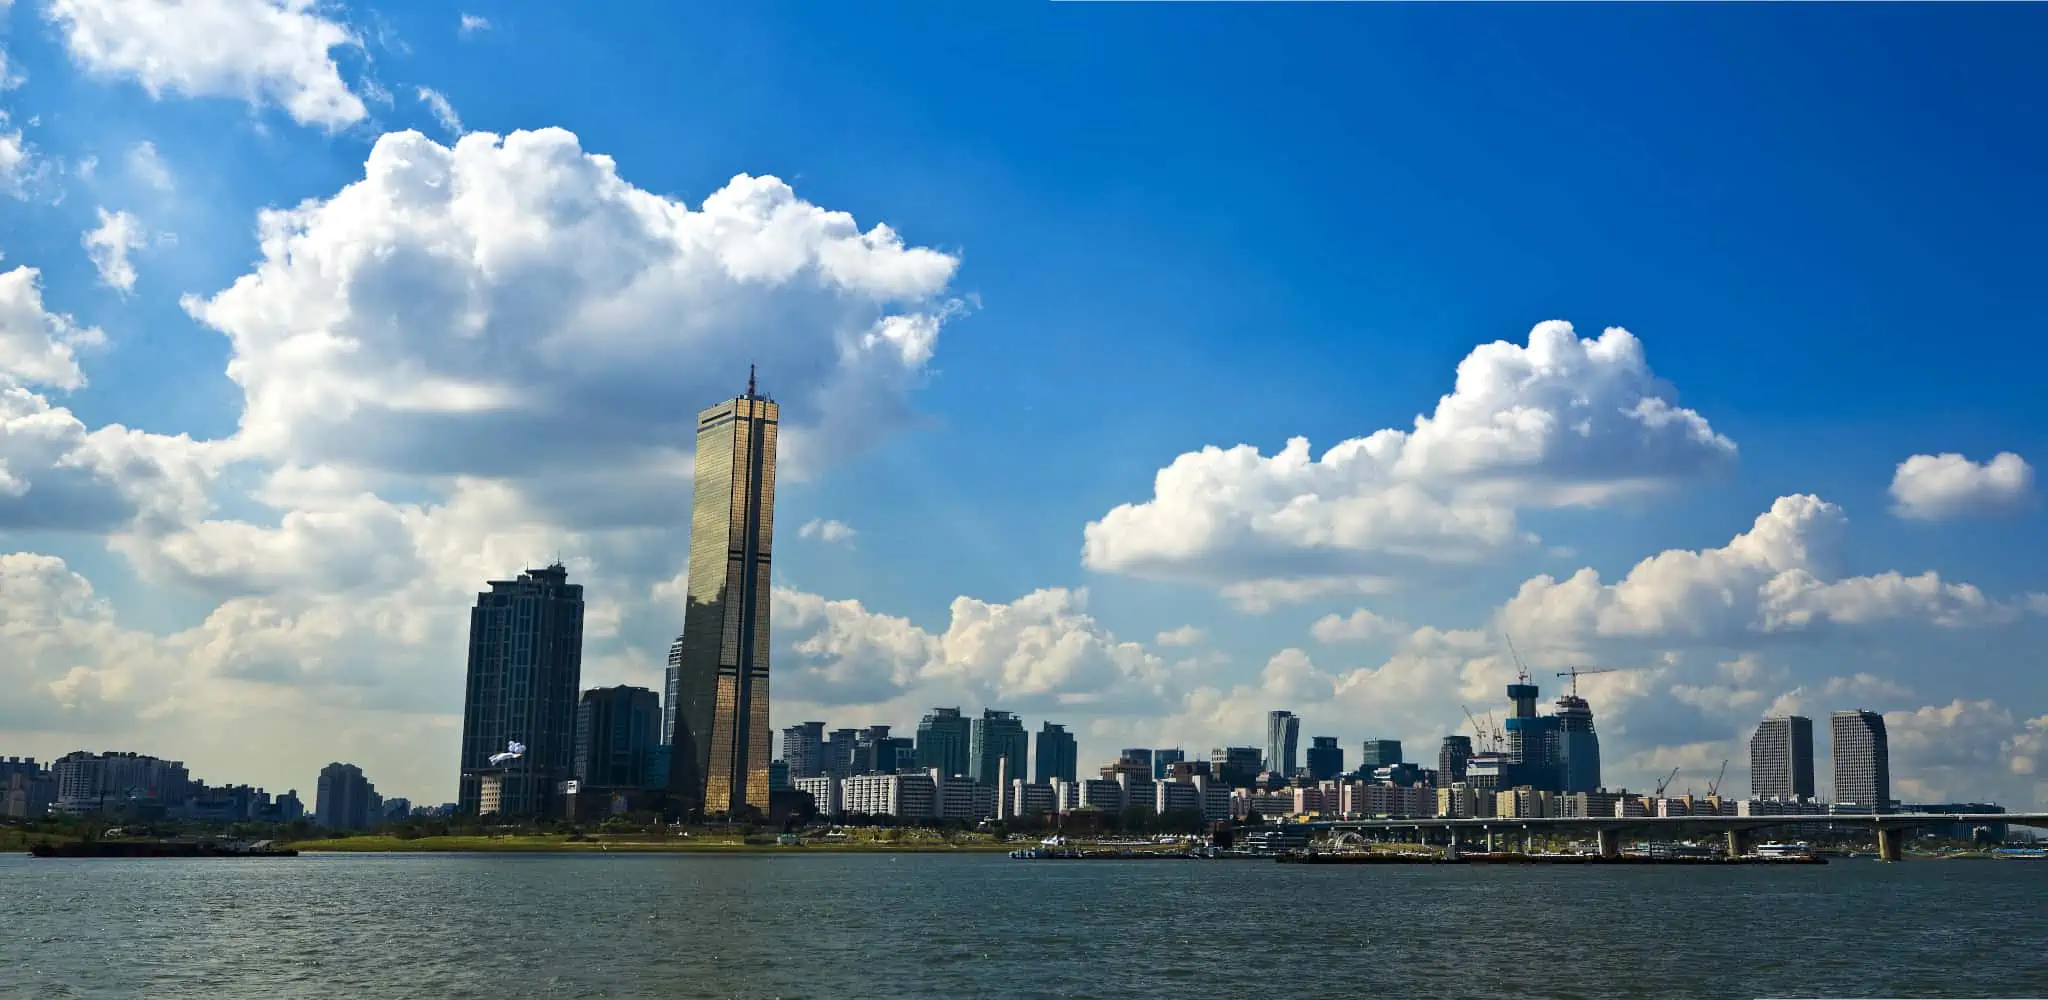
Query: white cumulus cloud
x=1041 y=652
x=1559 y=421
x=1359 y=626
x=1941 y=753
x=1186 y=635
x=147 y=165
x=472 y=24
x=108 y=245
x=1262 y=595
x=1775 y=577
x=56 y=474
x=38 y=347
x=510 y=307
x=828 y=531
x=1932 y=487
x=265 y=52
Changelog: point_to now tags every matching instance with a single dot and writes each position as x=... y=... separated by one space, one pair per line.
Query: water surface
x=919 y=925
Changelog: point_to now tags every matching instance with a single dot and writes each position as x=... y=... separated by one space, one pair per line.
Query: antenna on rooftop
x=750 y=381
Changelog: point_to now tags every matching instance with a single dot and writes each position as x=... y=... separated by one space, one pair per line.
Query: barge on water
x=1058 y=848
x=162 y=849
x=1478 y=858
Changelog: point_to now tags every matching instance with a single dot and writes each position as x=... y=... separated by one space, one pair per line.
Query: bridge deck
x=1891 y=820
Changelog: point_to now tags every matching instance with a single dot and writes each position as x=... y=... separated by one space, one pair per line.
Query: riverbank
x=561 y=844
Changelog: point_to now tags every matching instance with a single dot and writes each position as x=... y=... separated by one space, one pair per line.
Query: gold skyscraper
x=719 y=758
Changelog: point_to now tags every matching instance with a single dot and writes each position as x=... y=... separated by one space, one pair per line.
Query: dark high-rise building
x=1781 y=758
x=877 y=752
x=1379 y=753
x=1137 y=755
x=1283 y=734
x=1451 y=756
x=1535 y=748
x=669 y=680
x=1578 y=746
x=345 y=799
x=900 y=754
x=803 y=748
x=1863 y=761
x=942 y=742
x=722 y=739
x=842 y=748
x=1325 y=758
x=1163 y=761
x=1522 y=695
x=525 y=673
x=778 y=776
x=617 y=732
x=993 y=737
x=1236 y=767
x=1058 y=758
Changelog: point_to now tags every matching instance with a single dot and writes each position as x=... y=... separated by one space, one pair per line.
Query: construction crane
x=1714 y=786
x=1666 y=783
x=1479 y=732
x=1574 y=673
x=1521 y=672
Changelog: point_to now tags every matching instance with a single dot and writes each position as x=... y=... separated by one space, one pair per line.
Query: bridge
x=1889 y=827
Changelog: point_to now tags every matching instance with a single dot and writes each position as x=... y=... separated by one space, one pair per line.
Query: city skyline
x=297 y=360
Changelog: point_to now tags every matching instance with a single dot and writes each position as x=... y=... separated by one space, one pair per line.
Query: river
x=368 y=927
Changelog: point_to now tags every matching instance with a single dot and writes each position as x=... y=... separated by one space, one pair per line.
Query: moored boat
x=1783 y=852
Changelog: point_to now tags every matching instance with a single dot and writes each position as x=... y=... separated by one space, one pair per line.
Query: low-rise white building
x=1100 y=794
x=824 y=792
x=961 y=799
x=903 y=796
x=1030 y=798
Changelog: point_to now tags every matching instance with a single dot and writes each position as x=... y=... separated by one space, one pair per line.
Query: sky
x=1144 y=367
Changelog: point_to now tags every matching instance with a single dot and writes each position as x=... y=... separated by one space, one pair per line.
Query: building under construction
x=1551 y=753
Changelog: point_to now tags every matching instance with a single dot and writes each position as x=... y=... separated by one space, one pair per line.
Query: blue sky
x=1169 y=227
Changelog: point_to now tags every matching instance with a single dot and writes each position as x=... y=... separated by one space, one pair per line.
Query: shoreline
x=560 y=845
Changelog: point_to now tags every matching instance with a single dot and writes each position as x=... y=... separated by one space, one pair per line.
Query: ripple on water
x=454 y=926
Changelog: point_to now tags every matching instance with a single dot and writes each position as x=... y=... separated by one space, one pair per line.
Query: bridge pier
x=1891 y=843
x=1610 y=842
x=1490 y=846
x=1738 y=843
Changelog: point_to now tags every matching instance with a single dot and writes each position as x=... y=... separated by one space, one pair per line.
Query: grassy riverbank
x=16 y=840
x=699 y=844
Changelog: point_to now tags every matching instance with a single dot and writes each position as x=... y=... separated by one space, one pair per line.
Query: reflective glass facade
x=1578 y=746
x=721 y=733
x=1283 y=734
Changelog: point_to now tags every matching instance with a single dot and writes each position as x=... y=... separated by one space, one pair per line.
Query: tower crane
x=1485 y=738
x=1714 y=786
x=1575 y=672
x=1521 y=672
x=1666 y=783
